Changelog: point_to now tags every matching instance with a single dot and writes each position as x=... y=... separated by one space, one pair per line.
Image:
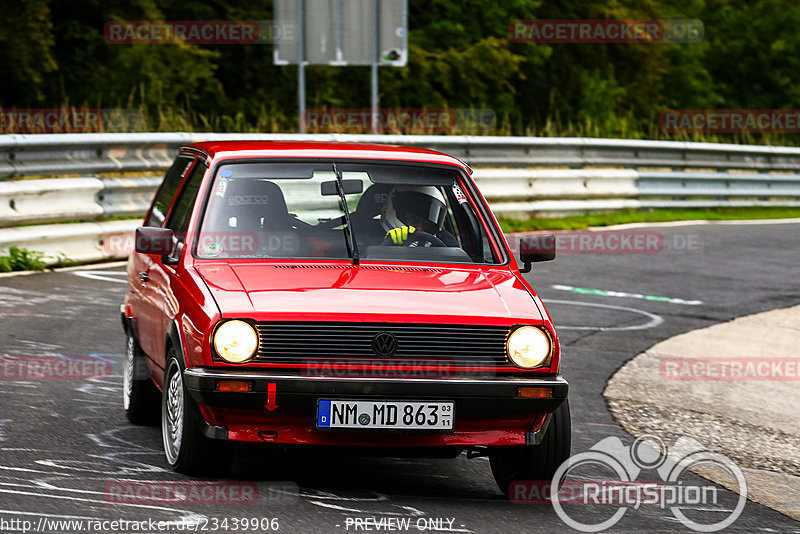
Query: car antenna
x=350 y=234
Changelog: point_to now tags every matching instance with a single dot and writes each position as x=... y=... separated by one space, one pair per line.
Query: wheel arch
x=175 y=339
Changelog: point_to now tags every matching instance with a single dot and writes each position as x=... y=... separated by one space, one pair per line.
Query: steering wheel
x=419 y=237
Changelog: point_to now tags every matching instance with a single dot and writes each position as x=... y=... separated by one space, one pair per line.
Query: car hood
x=371 y=292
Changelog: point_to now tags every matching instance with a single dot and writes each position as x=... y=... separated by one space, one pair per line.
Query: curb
x=751 y=419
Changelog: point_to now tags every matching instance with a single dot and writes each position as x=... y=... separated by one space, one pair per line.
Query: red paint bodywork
x=195 y=294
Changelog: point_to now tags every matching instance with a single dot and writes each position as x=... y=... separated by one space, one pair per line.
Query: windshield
x=294 y=210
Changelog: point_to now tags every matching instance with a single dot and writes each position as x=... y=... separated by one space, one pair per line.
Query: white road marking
x=409 y=510
x=2 y=424
x=87 y=500
x=106 y=276
x=58 y=516
x=379 y=497
x=654 y=320
x=24 y=470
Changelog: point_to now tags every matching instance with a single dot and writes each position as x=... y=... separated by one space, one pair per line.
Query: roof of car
x=322 y=149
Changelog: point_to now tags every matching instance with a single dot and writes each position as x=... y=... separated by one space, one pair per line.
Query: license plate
x=385 y=415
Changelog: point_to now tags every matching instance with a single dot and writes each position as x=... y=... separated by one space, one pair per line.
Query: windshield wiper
x=351 y=243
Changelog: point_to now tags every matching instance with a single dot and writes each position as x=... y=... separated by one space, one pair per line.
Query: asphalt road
x=64 y=444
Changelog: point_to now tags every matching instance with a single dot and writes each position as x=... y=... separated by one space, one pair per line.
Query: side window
x=167 y=191
x=179 y=219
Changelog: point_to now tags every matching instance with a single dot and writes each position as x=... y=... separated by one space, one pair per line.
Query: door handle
x=143 y=276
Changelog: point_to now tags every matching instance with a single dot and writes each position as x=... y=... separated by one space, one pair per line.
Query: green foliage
x=21 y=259
x=26 y=41
x=580 y=222
x=460 y=56
x=62 y=260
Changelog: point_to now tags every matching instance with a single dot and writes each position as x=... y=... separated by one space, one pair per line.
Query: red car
x=338 y=295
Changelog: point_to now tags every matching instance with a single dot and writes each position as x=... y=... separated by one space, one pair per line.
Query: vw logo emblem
x=384 y=344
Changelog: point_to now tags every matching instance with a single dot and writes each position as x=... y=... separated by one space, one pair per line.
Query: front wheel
x=187 y=450
x=537 y=462
x=139 y=394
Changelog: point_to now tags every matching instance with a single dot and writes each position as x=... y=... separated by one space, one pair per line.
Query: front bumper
x=488 y=410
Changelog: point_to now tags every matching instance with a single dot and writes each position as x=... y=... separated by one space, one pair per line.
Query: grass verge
x=579 y=222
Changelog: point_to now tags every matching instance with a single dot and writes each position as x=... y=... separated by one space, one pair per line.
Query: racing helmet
x=426 y=202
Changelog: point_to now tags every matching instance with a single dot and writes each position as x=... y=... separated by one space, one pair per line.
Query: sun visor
x=406 y=174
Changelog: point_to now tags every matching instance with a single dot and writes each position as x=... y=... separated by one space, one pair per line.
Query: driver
x=412 y=208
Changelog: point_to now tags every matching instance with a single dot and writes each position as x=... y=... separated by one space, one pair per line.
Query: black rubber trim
x=484 y=397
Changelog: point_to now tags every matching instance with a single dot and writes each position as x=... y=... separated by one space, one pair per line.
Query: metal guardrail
x=49 y=154
x=635 y=174
x=71 y=199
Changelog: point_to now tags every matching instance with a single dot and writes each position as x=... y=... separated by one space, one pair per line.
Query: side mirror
x=536 y=248
x=151 y=240
x=351 y=187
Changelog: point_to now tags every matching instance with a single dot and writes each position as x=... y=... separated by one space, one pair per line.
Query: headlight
x=528 y=347
x=235 y=341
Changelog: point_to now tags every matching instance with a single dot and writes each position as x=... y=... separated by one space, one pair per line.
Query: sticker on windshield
x=459 y=194
x=248 y=200
x=211 y=249
x=222 y=186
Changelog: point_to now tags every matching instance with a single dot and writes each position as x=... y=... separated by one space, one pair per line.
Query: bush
x=21 y=259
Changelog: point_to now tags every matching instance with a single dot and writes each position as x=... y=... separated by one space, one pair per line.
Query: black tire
x=537 y=462
x=186 y=449
x=140 y=397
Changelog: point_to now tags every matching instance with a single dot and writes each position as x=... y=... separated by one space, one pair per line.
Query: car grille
x=417 y=344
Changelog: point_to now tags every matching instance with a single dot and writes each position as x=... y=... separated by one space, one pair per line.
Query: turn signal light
x=234 y=385
x=535 y=393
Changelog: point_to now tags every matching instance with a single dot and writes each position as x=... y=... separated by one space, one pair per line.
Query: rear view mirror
x=351 y=187
x=536 y=248
x=151 y=240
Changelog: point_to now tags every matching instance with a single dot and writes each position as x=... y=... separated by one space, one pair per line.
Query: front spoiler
x=475 y=399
